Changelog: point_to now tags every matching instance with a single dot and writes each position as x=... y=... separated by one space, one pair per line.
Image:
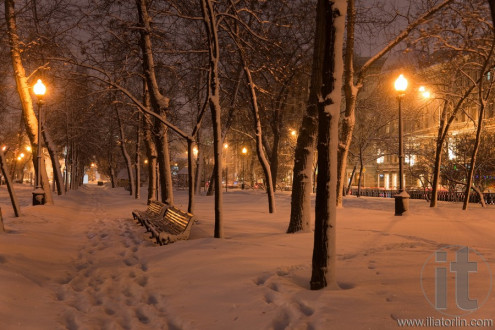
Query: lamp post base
x=38 y=196
x=401 y=202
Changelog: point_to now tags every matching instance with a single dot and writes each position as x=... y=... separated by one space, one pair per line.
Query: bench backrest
x=155 y=207
x=177 y=218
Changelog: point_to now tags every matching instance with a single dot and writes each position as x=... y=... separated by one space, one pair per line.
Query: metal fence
x=455 y=196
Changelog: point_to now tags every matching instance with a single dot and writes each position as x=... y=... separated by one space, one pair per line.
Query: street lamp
x=244 y=152
x=424 y=92
x=402 y=198
x=226 y=146
x=39 y=194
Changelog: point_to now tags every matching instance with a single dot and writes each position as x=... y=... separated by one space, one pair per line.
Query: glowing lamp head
x=28 y=148
x=401 y=84
x=195 y=151
x=146 y=161
x=244 y=150
x=39 y=88
x=293 y=132
x=4 y=148
x=225 y=146
x=424 y=92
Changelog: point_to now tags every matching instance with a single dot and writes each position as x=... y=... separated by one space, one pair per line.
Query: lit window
x=381 y=159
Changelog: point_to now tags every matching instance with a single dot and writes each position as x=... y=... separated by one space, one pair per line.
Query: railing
x=456 y=196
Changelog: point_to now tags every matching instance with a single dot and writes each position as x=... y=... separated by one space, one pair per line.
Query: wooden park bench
x=166 y=224
x=155 y=209
x=173 y=226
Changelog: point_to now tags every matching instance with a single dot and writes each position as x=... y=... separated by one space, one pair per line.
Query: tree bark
x=349 y=185
x=137 y=193
x=324 y=249
x=361 y=167
x=125 y=154
x=259 y=138
x=210 y=22
x=159 y=103
x=150 y=147
x=350 y=92
x=57 y=172
x=10 y=187
x=190 y=176
x=302 y=185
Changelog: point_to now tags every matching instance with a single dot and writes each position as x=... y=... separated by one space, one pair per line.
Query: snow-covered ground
x=83 y=263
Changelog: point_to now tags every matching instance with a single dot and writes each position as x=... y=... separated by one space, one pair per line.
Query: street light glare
x=401 y=83
x=39 y=88
x=244 y=150
x=225 y=145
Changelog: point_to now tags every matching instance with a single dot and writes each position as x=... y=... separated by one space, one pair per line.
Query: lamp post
x=244 y=153
x=225 y=147
x=38 y=193
x=402 y=198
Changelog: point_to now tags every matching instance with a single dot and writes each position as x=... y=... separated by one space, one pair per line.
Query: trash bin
x=401 y=202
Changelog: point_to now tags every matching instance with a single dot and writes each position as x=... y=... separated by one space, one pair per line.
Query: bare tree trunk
x=2 y=228
x=324 y=250
x=57 y=172
x=151 y=154
x=351 y=93
x=479 y=129
x=10 y=187
x=302 y=184
x=149 y=144
x=211 y=182
x=138 y=158
x=198 y=171
x=125 y=154
x=349 y=185
x=274 y=162
x=113 y=178
x=436 y=174
x=480 y=194
x=259 y=137
x=361 y=166
x=209 y=19
x=190 y=176
x=159 y=103
x=30 y=120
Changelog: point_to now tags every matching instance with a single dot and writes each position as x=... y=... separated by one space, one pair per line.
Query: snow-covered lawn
x=83 y=263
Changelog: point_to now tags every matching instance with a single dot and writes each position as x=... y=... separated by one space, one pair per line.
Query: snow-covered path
x=107 y=286
x=83 y=263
